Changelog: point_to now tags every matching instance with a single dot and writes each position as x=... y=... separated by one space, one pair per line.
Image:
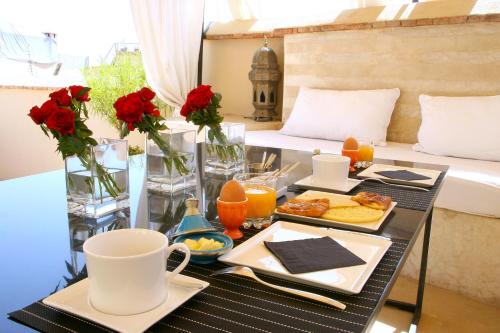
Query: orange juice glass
x=366 y=151
x=260 y=190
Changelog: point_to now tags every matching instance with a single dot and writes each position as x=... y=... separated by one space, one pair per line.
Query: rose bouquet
x=136 y=110
x=64 y=116
x=201 y=108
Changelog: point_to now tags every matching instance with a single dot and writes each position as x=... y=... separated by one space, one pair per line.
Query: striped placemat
x=236 y=304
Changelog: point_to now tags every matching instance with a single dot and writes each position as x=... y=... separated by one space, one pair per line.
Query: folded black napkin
x=402 y=175
x=313 y=254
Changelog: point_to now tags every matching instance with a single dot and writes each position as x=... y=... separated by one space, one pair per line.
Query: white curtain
x=169 y=34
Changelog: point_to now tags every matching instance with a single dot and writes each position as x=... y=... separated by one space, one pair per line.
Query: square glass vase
x=175 y=169
x=227 y=157
x=98 y=184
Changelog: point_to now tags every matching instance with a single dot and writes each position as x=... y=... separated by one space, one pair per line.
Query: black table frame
x=416 y=309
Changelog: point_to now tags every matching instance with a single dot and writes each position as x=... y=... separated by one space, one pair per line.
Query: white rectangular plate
x=366 y=227
x=307 y=183
x=74 y=299
x=349 y=280
x=370 y=173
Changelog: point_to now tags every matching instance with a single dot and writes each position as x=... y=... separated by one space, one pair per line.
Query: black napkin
x=402 y=175
x=313 y=254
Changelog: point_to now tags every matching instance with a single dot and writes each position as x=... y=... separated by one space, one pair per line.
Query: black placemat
x=236 y=304
x=406 y=198
x=313 y=254
x=402 y=175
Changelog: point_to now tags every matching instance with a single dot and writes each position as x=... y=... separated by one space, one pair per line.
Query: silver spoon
x=398 y=185
x=247 y=271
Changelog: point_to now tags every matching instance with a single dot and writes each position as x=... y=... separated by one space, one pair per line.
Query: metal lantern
x=265 y=77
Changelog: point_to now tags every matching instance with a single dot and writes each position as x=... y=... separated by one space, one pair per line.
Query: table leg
x=417 y=308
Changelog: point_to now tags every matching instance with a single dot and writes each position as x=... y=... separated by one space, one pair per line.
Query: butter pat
x=203 y=244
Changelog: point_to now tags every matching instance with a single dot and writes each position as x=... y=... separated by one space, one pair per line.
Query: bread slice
x=373 y=200
x=360 y=214
x=336 y=200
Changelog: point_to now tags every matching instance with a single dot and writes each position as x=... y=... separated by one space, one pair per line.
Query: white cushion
x=338 y=114
x=471 y=186
x=460 y=126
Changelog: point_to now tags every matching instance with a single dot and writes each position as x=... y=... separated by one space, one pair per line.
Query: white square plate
x=370 y=173
x=349 y=280
x=74 y=299
x=307 y=183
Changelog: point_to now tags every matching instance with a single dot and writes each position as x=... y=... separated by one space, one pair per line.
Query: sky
x=87 y=27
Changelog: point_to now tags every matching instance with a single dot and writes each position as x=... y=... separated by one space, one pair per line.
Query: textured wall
x=463 y=255
x=226 y=64
x=24 y=149
x=438 y=60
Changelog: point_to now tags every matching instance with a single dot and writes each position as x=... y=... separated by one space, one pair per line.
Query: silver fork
x=398 y=185
x=247 y=271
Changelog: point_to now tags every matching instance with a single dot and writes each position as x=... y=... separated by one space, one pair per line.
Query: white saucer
x=306 y=183
x=73 y=299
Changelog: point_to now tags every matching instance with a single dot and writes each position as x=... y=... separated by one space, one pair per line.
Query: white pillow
x=460 y=126
x=338 y=114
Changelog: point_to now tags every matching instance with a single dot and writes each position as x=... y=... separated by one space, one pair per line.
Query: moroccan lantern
x=265 y=77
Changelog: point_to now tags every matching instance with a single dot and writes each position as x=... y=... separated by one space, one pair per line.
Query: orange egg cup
x=353 y=155
x=232 y=215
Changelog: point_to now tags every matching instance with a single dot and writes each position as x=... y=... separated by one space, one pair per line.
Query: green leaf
x=92 y=142
x=85 y=111
x=84 y=132
x=71 y=145
x=45 y=131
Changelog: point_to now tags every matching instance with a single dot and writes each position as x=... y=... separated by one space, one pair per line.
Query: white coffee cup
x=330 y=170
x=126 y=270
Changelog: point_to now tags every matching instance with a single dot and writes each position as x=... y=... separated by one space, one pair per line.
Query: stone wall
x=453 y=60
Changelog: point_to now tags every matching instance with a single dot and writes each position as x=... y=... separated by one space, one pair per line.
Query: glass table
x=41 y=252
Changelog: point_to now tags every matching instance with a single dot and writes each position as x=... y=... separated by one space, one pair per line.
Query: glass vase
x=97 y=183
x=226 y=157
x=171 y=164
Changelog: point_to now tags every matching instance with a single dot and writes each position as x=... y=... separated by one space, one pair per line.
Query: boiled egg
x=232 y=191
x=351 y=144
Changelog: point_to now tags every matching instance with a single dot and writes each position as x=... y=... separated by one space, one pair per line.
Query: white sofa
x=464 y=247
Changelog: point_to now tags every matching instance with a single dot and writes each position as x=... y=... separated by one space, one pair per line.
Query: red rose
x=146 y=94
x=76 y=91
x=129 y=109
x=62 y=121
x=41 y=114
x=200 y=97
x=150 y=109
x=186 y=109
x=61 y=97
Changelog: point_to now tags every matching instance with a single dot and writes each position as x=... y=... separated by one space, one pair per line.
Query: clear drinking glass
x=175 y=169
x=226 y=157
x=366 y=150
x=97 y=184
x=260 y=189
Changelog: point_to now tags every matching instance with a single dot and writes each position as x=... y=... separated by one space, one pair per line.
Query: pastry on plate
x=311 y=208
x=336 y=200
x=360 y=214
x=373 y=200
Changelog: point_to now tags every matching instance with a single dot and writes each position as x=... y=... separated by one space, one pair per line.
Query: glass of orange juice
x=366 y=151
x=260 y=189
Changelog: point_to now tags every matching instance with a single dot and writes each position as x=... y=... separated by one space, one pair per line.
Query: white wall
x=24 y=149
